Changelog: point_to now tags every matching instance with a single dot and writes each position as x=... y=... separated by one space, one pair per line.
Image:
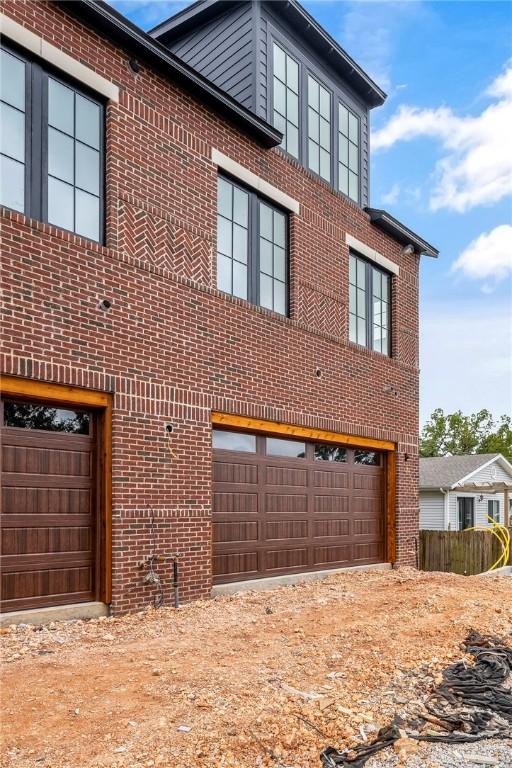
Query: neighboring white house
x=457 y=492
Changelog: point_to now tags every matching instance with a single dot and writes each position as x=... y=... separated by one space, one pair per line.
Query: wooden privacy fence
x=464 y=552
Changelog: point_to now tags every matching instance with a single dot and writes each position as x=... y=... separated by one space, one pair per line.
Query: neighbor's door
x=49 y=506
x=466 y=506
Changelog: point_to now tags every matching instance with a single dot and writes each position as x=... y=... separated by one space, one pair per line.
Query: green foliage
x=457 y=434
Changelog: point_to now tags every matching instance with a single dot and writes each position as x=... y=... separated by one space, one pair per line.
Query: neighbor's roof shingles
x=444 y=471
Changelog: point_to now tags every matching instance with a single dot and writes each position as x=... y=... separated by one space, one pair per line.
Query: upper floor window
x=286 y=99
x=369 y=305
x=252 y=260
x=319 y=129
x=51 y=148
x=348 y=153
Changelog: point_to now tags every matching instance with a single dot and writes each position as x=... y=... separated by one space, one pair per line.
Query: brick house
x=209 y=339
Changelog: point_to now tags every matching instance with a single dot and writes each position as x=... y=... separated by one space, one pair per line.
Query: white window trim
x=372 y=254
x=53 y=55
x=250 y=179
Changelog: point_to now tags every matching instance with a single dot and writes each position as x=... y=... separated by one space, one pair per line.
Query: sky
x=441 y=162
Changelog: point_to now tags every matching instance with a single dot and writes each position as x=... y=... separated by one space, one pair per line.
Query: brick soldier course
x=173 y=348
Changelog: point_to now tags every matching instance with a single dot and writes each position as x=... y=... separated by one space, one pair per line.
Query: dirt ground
x=260 y=679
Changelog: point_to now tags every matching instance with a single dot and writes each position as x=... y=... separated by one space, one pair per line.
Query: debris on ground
x=363 y=647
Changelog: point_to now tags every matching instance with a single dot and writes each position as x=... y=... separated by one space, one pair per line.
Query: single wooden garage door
x=48 y=506
x=286 y=506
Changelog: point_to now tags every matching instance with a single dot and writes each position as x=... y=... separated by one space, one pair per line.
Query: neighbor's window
x=52 y=168
x=493 y=509
x=348 y=153
x=466 y=512
x=286 y=99
x=369 y=305
x=319 y=129
x=252 y=260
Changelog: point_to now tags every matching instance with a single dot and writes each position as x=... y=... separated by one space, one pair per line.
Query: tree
x=457 y=434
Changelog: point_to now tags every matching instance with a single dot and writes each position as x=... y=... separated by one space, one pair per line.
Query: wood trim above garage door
x=247 y=423
x=102 y=401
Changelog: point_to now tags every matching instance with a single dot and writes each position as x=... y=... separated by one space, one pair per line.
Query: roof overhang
x=105 y=20
x=399 y=232
x=305 y=26
x=490 y=487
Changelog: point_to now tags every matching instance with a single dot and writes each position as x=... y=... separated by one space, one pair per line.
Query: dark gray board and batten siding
x=233 y=51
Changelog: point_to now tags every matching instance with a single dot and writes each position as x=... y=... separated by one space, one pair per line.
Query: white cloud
x=391 y=197
x=465 y=357
x=488 y=257
x=477 y=166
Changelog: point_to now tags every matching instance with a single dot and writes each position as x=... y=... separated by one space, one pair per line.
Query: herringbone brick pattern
x=319 y=310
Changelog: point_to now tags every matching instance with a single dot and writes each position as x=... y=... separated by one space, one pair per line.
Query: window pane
x=12 y=184
x=87 y=121
x=343 y=120
x=87 y=168
x=224 y=198
x=12 y=80
x=343 y=179
x=384 y=341
x=361 y=302
x=239 y=243
x=313 y=125
x=352 y=298
x=325 y=104
x=224 y=236
x=292 y=74
x=280 y=123
x=279 y=228
x=292 y=140
x=60 y=204
x=324 y=452
x=385 y=287
x=47 y=417
x=353 y=186
x=240 y=206
x=223 y=273
x=325 y=165
x=60 y=155
x=352 y=333
x=361 y=273
x=279 y=297
x=279 y=97
x=265 y=256
x=352 y=269
x=361 y=331
x=353 y=128
x=266 y=299
x=376 y=279
x=343 y=149
x=325 y=134
x=239 y=280
x=371 y=458
x=279 y=63
x=233 y=441
x=87 y=215
x=61 y=106
x=279 y=263
x=266 y=221
x=314 y=156
x=292 y=107
x=353 y=158
x=313 y=93
x=293 y=448
x=12 y=132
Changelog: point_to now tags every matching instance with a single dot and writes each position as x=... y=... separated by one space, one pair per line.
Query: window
x=466 y=509
x=286 y=99
x=319 y=129
x=47 y=417
x=370 y=458
x=369 y=305
x=51 y=148
x=294 y=449
x=234 y=441
x=325 y=452
x=251 y=247
x=348 y=153
x=493 y=509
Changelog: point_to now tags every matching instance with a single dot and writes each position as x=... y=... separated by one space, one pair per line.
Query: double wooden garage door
x=48 y=505
x=286 y=506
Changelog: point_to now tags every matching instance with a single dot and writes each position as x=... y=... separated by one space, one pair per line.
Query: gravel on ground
x=253 y=680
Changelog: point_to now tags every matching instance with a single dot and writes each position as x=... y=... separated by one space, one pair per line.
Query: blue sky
x=441 y=163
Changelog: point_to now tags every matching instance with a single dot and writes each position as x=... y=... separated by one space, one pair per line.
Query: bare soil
x=260 y=678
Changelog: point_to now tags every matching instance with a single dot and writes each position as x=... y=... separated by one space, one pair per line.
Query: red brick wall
x=172 y=348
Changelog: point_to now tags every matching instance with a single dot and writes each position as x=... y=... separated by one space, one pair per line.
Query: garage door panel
x=367 y=481
x=235 y=503
x=286 y=476
x=22 y=541
x=331 y=528
x=331 y=479
x=341 y=554
x=55 y=501
x=286 y=559
x=287 y=504
x=367 y=527
x=239 y=473
x=47 y=460
x=286 y=529
x=371 y=552
x=46 y=583
x=337 y=505
x=240 y=531
x=238 y=564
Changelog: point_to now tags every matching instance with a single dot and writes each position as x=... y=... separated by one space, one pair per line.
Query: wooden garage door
x=285 y=506
x=48 y=506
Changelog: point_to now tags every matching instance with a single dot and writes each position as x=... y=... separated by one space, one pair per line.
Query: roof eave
x=114 y=25
x=399 y=232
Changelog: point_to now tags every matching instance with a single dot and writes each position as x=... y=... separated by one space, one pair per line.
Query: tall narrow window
x=286 y=99
x=232 y=238
x=369 y=305
x=348 y=153
x=272 y=258
x=252 y=258
x=73 y=161
x=493 y=509
x=12 y=131
x=319 y=129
